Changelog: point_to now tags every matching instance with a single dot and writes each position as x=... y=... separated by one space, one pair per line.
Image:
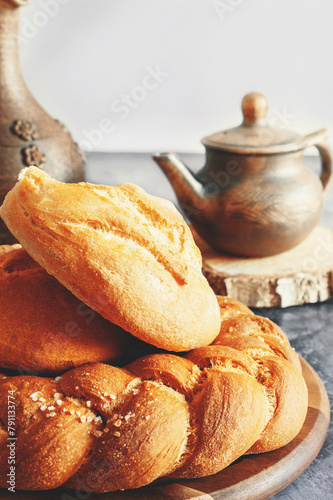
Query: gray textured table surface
x=309 y=327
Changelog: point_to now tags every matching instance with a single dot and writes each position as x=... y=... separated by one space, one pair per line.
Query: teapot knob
x=254 y=108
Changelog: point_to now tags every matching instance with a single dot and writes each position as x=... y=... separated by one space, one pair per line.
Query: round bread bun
x=44 y=328
x=128 y=255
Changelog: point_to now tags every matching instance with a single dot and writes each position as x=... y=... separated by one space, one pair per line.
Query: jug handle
x=317 y=139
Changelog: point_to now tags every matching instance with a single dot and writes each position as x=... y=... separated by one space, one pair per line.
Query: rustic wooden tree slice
x=301 y=275
x=252 y=476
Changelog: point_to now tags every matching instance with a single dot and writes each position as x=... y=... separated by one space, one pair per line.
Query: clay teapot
x=254 y=197
x=28 y=135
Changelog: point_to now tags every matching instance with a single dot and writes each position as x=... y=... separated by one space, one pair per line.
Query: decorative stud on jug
x=28 y=135
x=254 y=197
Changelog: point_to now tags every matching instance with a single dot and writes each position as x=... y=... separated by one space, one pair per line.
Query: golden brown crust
x=253 y=334
x=162 y=415
x=278 y=370
x=231 y=308
x=43 y=327
x=128 y=255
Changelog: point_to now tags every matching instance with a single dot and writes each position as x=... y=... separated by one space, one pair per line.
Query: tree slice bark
x=301 y=275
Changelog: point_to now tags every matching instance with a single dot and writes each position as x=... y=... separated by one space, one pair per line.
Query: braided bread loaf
x=100 y=428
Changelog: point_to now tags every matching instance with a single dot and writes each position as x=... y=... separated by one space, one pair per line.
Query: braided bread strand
x=100 y=428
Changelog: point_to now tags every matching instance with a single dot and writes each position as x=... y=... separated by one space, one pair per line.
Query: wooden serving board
x=252 y=476
x=304 y=274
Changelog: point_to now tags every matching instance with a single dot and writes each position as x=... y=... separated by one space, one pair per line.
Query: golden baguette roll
x=128 y=255
x=43 y=327
x=162 y=415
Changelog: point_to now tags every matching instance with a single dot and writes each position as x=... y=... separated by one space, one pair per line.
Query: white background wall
x=83 y=58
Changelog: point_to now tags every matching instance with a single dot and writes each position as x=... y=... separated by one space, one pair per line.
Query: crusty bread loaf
x=100 y=428
x=129 y=256
x=43 y=327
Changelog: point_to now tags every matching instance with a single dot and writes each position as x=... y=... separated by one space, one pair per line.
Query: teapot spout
x=189 y=190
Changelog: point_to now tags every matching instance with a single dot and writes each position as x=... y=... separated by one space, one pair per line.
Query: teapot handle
x=326 y=165
x=317 y=139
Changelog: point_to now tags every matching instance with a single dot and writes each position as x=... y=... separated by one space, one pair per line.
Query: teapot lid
x=255 y=135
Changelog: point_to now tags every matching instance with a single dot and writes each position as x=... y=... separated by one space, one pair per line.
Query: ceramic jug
x=28 y=135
